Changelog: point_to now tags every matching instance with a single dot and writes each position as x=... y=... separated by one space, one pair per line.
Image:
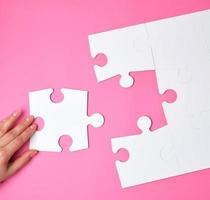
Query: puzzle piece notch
x=65 y=142
x=100 y=60
x=56 y=96
x=169 y=96
x=117 y=45
x=151 y=155
x=122 y=155
x=58 y=119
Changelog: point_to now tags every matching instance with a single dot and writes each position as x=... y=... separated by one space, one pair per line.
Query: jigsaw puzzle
x=182 y=63
x=68 y=117
x=127 y=50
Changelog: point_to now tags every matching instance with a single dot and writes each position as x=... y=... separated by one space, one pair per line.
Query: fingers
x=13 y=133
x=21 y=162
x=21 y=139
x=7 y=123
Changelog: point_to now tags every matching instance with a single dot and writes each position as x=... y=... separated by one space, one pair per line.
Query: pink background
x=43 y=43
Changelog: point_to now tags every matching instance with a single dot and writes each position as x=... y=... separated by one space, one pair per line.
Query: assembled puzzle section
x=127 y=50
x=182 y=63
x=189 y=116
x=180 y=41
x=68 y=117
x=151 y=156
x=180 y=48
x=166 y=152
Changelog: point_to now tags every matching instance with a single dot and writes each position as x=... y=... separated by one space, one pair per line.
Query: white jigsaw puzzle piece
x=180 y=41
x=180 y=44
x=192 y=143
x=127 y=50
x=151 y=156
x=68 y=117
x=206 y=27
x=173 y=150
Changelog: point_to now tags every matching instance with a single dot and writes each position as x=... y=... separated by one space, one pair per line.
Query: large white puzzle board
x=180 y=48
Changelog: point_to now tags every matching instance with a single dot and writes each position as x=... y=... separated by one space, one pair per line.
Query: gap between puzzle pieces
x=125 y=105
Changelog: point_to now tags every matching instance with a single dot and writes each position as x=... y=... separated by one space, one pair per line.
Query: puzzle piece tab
x=127 y=50
x=68 y=117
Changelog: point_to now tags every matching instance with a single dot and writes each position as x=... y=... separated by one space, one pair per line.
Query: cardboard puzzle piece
x=127 y=50
x=178 y=148
x=180 y=47
x=68 y=117
x=191 y=86
x=189 y=116
x=180 y=41
x=206 y=27
x=151 y=155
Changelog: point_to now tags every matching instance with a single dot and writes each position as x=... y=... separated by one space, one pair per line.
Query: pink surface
x=44 y=44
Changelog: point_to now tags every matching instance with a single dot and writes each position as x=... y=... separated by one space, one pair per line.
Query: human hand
x=12 y=138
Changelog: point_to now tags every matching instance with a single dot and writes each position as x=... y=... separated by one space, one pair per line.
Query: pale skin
x=12 y=138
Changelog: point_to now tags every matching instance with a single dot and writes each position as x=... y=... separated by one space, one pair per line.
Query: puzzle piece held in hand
x=151 y=155
x=68 y=117
x=127 y=50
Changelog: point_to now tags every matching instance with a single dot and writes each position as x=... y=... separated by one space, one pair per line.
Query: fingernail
x=33 y=126
x=34 y=153
x=30 y=118
x=16 y=113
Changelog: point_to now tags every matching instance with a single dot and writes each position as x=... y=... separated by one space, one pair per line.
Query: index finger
x=7 y=123
x=20 y=140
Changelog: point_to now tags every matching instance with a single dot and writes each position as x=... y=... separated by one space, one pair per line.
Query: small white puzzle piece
x=68 y=117
x=127 y=50
x=151 y=156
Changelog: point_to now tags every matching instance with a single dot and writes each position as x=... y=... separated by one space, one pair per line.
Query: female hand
x=12 y=137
